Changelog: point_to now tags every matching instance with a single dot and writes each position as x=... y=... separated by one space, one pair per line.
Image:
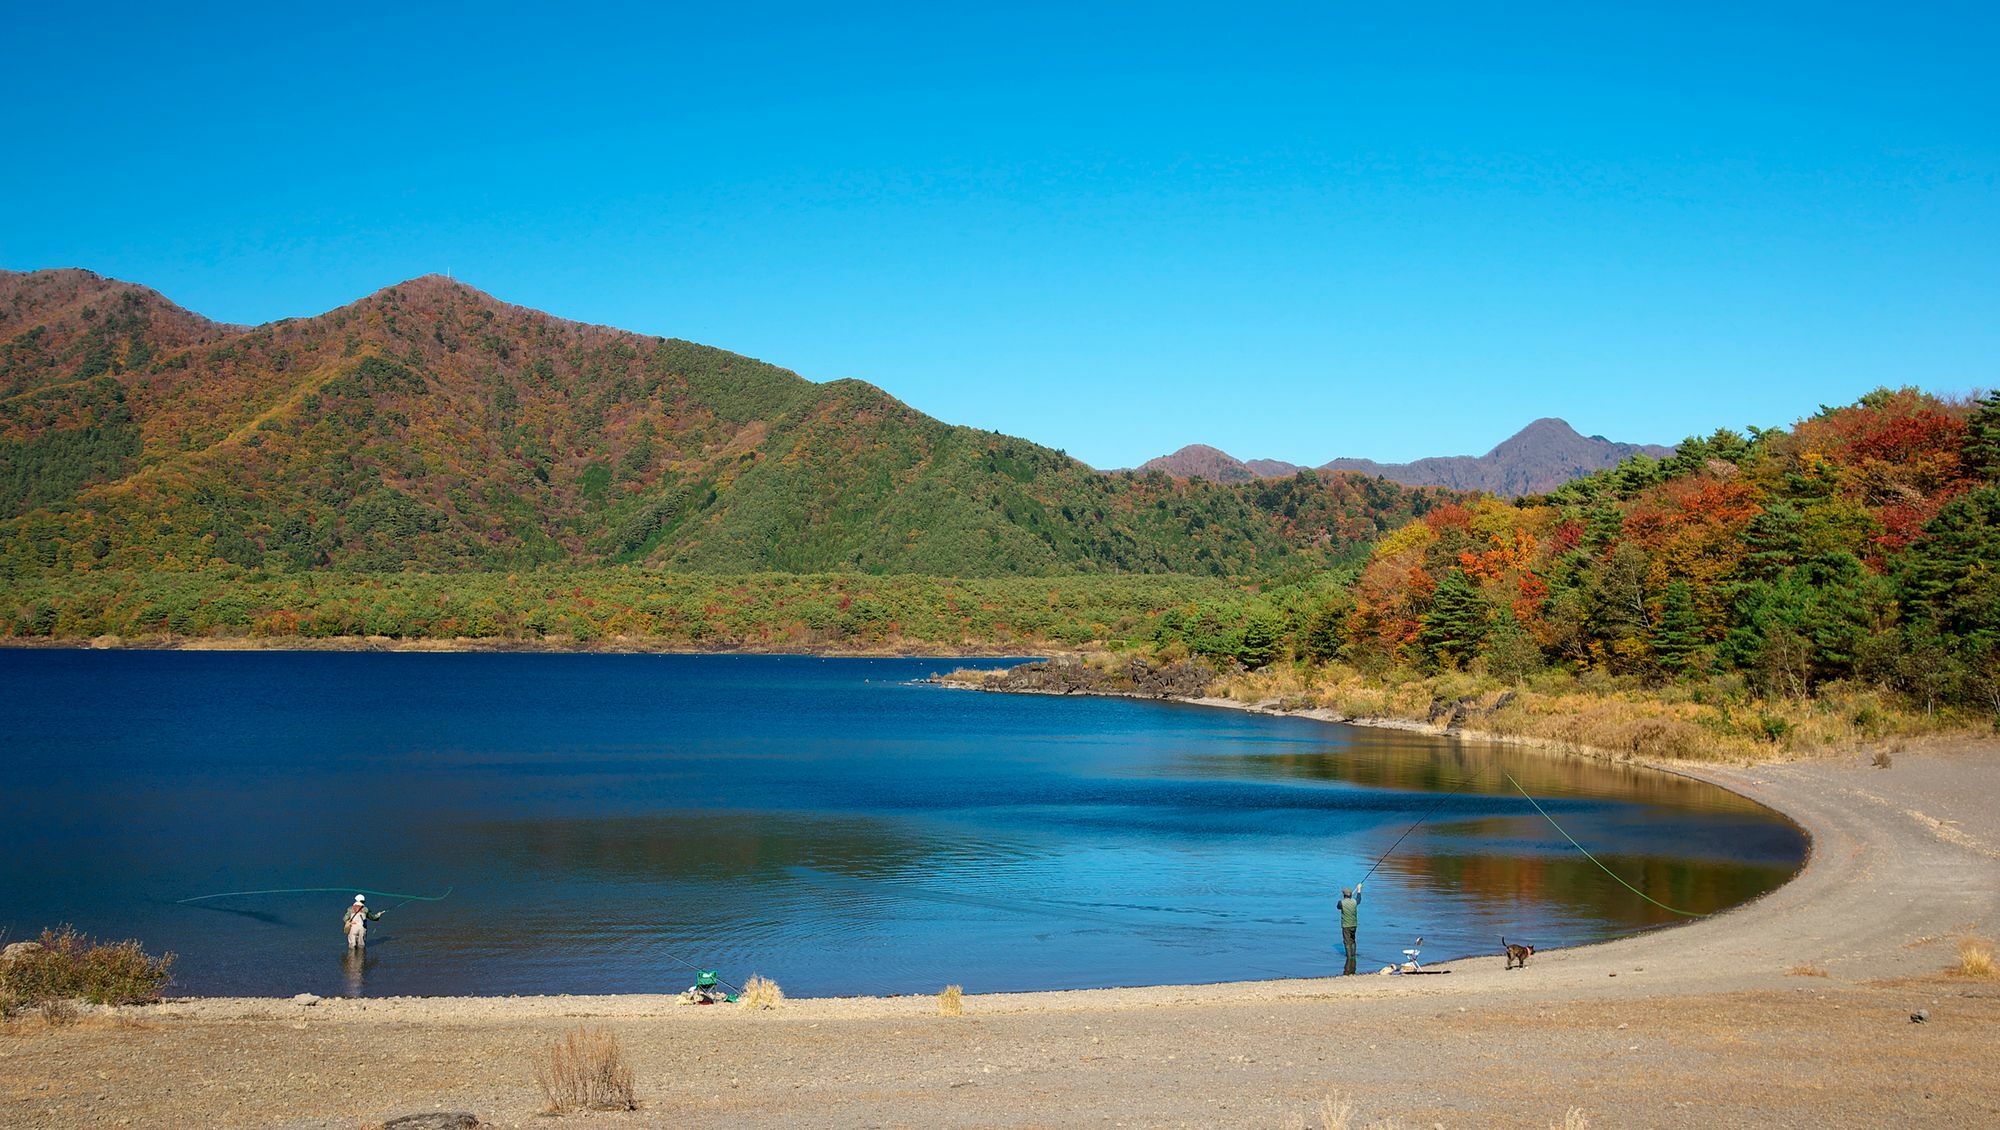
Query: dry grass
x=1975 y=958
x=1718 y=719
x=1334 y=1112
x=1806 y=969
x=1882 y=760
x=760 y=992
x=585 y=1070
x=58 y=1012
x=951 y=1001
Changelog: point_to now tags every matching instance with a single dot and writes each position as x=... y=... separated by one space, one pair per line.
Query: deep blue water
x=601 y=819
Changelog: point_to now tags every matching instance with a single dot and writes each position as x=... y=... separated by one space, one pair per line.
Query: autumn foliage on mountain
x=1862 y=544
x=430 y=426
x=429 y=461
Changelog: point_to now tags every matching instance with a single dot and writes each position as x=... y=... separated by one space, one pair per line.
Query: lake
x=604 y=823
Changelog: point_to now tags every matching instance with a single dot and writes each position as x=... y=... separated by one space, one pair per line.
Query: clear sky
x=1387 y=230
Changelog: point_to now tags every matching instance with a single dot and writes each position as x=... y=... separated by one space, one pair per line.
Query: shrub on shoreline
x=585 y=1070
x=63 y=965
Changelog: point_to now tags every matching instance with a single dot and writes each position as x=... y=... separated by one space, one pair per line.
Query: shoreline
x=615 y=645
x=1795 y=1009
x=1372 y=722
x=621 y=1004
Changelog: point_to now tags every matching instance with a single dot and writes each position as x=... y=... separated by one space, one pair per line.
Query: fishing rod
x=698 y=969
x=1426 y=816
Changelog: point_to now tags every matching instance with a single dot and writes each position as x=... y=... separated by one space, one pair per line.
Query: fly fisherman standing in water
x=1350 y=920
x=359 y=916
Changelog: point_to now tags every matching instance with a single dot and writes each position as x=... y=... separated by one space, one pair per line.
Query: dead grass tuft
x=1882 y=759
x=58 y=1012
x=761 y=992
x=585 y=1070
x=1573 y=1119
x=1806 y=969
x=1975 y=958
x=1334 y=1112
x=951 y=1001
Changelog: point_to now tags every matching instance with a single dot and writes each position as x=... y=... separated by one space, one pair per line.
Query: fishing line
x=1594 y=859
x=407 y=899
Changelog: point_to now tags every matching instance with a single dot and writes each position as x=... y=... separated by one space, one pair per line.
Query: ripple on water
x=603 y=820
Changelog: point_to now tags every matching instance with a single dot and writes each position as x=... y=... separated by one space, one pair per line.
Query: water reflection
x=607 y=821
x=354 y=967
x=1392 y=759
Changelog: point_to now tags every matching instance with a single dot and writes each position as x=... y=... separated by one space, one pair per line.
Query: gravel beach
x=1794 y=1010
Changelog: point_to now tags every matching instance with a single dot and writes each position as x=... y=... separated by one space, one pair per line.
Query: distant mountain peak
x=1200 y=461
x=1543 y=455
x=1545 y=426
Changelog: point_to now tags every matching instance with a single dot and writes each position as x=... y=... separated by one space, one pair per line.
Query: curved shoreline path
x=1714 y=1023
x=839 y=825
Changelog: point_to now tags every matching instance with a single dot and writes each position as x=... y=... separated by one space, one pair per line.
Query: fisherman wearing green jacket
x=1350 y=919
x=355 y=922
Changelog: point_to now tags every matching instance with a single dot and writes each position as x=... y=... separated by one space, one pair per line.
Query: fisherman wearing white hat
x=357 y=920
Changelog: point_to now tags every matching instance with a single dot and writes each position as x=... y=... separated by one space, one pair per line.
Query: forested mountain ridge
x=432 y=426
x=73 y=325
x=1538 y=458
x=1861 y=544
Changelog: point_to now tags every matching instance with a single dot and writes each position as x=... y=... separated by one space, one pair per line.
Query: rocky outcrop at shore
x=1187 y=678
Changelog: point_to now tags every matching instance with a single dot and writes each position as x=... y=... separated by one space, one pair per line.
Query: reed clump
x=951 y=1001
x=1334 y=1112
x=761 y=992
x=1975 y=958
x=585 y=1070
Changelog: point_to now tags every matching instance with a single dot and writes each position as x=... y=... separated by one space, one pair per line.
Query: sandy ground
x=1711 y=1024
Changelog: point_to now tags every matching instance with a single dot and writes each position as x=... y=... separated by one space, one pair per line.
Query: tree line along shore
x=1770 y=591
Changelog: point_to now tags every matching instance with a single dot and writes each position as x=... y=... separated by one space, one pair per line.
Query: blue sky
x=1289 y=231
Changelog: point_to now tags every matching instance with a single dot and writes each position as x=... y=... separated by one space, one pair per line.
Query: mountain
x=431 y=426
x=1200 y=461
x=1537 y=459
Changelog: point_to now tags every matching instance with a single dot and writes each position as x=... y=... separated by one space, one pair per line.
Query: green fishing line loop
x=1594 y=859
x=321 y=890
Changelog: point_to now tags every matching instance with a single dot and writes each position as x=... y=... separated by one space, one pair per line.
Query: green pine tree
x=1262 y=642
x=1325 y=634
x=1952 y=576
x=1982 y=436
x=1456 y=623
x=1677 y=638
x=1510 y=652
x=1602 y=525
